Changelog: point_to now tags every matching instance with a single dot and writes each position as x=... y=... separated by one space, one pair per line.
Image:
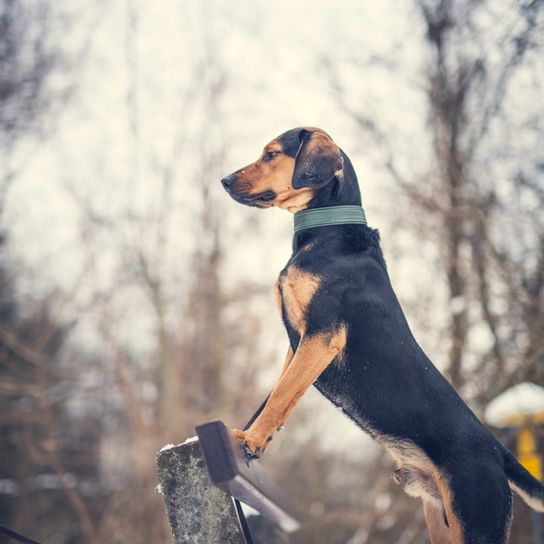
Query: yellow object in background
x=533 y=463
x=526 y=441
x=527 y=453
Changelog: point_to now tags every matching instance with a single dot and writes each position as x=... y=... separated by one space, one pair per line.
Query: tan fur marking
x=415 y=471
x=276 y=175
x=431 y=484
x=298 y=289
x=287 y=361
x=312 y=356
x=456 y=530
x=319 y=130
x=438 y=531
x=322 y=144
x=295 y=201
x=277 y=296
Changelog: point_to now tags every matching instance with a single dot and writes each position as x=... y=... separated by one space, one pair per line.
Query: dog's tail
x=523 y=483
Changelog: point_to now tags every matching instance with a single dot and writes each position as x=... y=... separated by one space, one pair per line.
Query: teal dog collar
x=331 y=215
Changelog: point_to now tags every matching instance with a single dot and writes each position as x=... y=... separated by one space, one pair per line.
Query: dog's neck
x=341 y=191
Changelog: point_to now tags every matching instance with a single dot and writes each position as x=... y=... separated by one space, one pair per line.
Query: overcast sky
x=136 y=97
x=272 y=57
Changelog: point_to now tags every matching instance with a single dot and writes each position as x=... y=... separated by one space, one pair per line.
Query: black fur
x=384 y=379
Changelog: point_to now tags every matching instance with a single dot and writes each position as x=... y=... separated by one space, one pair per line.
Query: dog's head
x=291 y=168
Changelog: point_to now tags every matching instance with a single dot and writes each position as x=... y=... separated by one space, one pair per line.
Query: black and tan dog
x=348 y=336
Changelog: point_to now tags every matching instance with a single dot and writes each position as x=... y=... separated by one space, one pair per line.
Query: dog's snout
x=228 y=180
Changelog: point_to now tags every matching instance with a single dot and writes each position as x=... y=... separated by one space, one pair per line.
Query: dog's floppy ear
x=317 y=160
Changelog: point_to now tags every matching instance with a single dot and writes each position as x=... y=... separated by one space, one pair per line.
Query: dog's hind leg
x=478 y=503
x=439 y=532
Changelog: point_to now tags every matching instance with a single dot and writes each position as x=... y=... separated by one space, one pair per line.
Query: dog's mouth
x=260 y=200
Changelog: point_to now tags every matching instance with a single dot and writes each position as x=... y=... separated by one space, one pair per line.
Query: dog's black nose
x=228 y=180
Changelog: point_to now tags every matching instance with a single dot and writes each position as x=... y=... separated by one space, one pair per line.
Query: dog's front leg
x=312 y=356
x=287 y=362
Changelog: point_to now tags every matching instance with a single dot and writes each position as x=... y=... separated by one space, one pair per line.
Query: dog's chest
x=295 y=289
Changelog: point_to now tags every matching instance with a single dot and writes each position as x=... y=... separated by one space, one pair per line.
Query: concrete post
x=198 y=512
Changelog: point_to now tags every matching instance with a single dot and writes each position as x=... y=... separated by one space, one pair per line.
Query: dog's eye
x=269 y=155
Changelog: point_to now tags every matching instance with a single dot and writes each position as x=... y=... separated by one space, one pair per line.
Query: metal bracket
x=243 y=479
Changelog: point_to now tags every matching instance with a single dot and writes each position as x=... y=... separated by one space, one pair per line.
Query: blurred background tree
x=136 y=298
x=478 y=201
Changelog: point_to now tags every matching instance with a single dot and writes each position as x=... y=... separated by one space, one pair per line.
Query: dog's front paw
x=253 y=443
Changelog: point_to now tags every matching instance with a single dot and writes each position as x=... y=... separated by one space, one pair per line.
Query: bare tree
x=466 y=93
x=201 y=353
x=28 y=57
x=481 y=198
x=37 y=459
